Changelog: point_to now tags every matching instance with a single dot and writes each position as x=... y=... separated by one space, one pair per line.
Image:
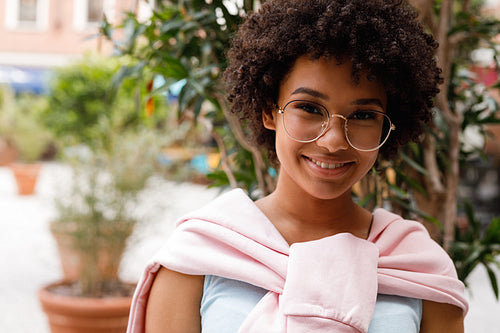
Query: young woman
x=327 y=87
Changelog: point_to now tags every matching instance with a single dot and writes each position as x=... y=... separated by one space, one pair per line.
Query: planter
x=108 y=252
x=26 y=176
x=71 y=314
x=68 y=256
x=8 y=154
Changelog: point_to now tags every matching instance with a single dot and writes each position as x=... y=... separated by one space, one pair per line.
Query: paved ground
x=29 y=260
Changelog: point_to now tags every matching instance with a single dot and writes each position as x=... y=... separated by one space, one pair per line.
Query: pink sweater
x=326 y=285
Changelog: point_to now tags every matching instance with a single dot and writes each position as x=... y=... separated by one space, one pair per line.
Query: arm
x=174 y=303
x=441 y=317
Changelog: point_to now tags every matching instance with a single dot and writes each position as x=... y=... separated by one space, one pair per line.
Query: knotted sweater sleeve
x=331 y=286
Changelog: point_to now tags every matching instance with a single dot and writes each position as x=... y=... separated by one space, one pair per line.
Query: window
x=27 y=10
x=27 y=14
x=94 y=11
x=89 y=13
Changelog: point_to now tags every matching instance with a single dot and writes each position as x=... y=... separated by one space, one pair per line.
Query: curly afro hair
x=380 y=37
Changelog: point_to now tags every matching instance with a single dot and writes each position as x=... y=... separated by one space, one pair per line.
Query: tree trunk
x=264 y=181
x=441 y=185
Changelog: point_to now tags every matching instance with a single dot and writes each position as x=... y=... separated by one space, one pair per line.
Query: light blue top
x=226 y=303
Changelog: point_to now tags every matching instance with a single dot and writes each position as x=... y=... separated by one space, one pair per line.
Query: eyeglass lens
x=364 y=129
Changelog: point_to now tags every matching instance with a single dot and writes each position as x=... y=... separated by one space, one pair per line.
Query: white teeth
x=324 y=165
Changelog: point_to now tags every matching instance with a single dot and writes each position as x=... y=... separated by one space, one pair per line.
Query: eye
x=365 y=115
x=308 y=107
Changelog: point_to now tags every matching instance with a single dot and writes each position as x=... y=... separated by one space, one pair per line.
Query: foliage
x=98 y=209
x=111 y=142
x=427 y=173
x=477 y=107
x=178 y=43
x=186 y=41
x=85 y=107
x=474 y=246
x=244 y=175
x=21 y=124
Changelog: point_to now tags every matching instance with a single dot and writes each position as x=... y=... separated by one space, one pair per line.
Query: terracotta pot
x=26 y=176
x=109 y=253
x=69 y=257
x=8 y=153
x=72 y=314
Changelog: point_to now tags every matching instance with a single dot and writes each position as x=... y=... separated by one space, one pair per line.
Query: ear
x=269 y=119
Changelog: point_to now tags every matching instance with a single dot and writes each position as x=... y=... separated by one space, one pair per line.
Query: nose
x=334 y=138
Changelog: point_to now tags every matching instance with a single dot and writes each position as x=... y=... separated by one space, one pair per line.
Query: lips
x=325 y=165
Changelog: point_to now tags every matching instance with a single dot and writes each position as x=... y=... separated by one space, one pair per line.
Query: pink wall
x=59 y=39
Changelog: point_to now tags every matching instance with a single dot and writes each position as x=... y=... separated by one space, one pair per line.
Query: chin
x=329 y=192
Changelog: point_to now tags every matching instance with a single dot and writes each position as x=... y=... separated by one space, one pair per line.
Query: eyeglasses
x=365 y=130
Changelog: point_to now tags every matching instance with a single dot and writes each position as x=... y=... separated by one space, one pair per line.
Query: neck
x=301 y=217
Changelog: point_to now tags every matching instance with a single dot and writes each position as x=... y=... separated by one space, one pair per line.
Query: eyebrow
x=311 y=92
x=368 y=101
x=317 y=94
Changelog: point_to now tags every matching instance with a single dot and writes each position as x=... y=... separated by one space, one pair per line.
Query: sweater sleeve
x=137 y=317
x=411 y=264
x=331 y=286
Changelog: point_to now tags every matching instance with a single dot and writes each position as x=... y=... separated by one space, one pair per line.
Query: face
x=328 y=167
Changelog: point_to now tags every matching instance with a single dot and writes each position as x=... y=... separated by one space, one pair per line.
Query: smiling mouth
x=324 y=165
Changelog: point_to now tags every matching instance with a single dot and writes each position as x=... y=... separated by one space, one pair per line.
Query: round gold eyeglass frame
x=324 y=126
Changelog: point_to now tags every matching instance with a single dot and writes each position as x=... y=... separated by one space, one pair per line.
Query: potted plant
x=8 y=153
x=96 y=214
x=111 y=148
x=24 y=133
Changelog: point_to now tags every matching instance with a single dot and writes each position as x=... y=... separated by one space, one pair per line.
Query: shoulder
x=232 y=213
x=413 y=264
x=223 y=208
x=386 y=221
x=441 y=317
x=389 y=228
x=169 y=289
x=409 y=241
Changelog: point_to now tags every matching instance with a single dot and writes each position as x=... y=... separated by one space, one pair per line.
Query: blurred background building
x=36 y=35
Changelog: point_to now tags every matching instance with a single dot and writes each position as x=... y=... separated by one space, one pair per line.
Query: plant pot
x=71 y=314
x=108 y=251
x=8 y=153
x=26 y=175
x=68 y=256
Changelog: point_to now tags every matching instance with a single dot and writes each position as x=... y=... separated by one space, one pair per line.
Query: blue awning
x=25 y=79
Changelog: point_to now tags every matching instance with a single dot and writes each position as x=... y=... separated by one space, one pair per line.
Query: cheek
x=286 y=148
x=370 y=158
x=281 y=145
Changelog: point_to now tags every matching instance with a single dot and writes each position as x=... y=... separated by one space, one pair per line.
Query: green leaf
x=474 y=224
x=197 y=106
x=186 y=97
x=492 y=232
x=420 y=213
x=172 y=26
x=126 y=72
x=370 y=197
x=493 y=280
x=414 y=184
x=172 y=68
x=400 y=193
x=215 y=103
